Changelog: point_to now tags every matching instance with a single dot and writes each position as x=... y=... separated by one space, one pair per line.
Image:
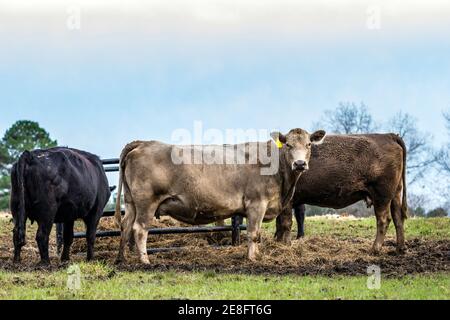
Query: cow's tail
x=405 y=195
x=21 y=217
x=118 y=213
x=128 y=148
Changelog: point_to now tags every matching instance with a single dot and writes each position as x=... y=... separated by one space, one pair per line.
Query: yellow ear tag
x=279 y=144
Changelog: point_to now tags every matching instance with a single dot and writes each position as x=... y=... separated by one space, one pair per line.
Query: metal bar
x=160 y=231
x=110 y=161
x=59 y=237
x=112 y=169
x=236 y=230
x=111 y=213
x=100 y=234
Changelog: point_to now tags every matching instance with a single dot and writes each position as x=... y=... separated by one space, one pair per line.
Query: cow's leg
x=17 y=252
x=382 y=213
x=127 y=230
x=144 y=214
x=91 y=232
x=18 y=244
x=59 y=237
x=68 y=240
x=131 y=242
x=42 y=238
x=284 y=226
x=300 y=211
x=255 y=216
x=397 y=216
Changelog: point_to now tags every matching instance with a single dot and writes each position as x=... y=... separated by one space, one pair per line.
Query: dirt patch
x=312 y=256
x=323 y=255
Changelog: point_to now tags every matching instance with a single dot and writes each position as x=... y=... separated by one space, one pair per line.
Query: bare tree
x=417 y=204
x=443 y=157
x=447 y=119
x=348 y=118
x=420 y=155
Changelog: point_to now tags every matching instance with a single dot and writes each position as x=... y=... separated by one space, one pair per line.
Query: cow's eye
x=309 y=145
x=288 y=146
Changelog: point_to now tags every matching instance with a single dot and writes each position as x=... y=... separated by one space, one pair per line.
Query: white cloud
x=299 y=15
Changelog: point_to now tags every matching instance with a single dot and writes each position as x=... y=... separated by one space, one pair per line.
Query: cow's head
x=296 y=147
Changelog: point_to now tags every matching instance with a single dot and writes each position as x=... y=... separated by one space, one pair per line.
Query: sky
x=98 y=74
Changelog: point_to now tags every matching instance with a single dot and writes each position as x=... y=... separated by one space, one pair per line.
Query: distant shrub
x=312 y=211
x=417 y=212
x=358 y=209
x=438 y=212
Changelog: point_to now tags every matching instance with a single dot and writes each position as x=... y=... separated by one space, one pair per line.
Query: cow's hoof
x=284 y=238
x=375 y=251
x=254 y=257
x=43 y=264
x=278 y=236
x=144 y=262
x=401 y=251
x=300 y=236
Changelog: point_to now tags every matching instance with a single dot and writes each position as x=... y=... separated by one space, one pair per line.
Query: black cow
x=57 y=185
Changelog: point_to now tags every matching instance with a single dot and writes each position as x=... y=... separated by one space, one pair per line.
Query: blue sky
x=142 y=71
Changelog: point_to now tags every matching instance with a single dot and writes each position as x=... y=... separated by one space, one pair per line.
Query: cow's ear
x=278 y=137
x=318 y=137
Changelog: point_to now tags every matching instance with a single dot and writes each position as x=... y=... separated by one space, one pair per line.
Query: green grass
x=434 y=228
x=103 y=282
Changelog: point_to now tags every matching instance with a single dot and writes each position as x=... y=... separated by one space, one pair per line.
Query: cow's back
x=71 y=180
x=349 y=168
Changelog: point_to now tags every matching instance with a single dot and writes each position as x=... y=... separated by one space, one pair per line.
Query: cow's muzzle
x=300 y=166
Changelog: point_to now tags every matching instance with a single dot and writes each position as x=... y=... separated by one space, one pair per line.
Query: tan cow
x=161 y=179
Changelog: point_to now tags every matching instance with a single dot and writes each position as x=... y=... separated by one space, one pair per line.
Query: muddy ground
x=324 y=255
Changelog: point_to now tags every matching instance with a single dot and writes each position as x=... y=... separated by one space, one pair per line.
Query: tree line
x=23 y=135
x=423 y=158
x=347 y=118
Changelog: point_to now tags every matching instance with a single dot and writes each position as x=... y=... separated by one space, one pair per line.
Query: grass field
x=431 y=229
x=103 y=280
x=100 y=281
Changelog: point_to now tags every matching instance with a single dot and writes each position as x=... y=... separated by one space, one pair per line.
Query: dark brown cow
x=348 y=168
